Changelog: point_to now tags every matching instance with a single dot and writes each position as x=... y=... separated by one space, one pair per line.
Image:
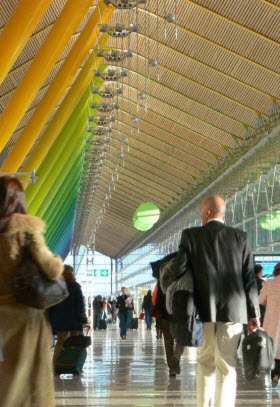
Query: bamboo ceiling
x=215 y=81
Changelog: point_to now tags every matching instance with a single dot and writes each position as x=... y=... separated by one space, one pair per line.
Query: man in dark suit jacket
x=226 y=296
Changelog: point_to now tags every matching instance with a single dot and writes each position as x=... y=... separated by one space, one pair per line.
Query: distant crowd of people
x=104 y=309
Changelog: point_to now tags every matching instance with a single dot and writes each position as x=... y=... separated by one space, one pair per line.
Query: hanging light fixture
x=108 y=92
x=153 y=62
x=102 y=130
x=119 y=30
x=101 y=120
x=105 y=107
x=107 y=139
x=171 y=18
x=142 y=95
x=125 y=4
x=115 y=55
x=112 y=74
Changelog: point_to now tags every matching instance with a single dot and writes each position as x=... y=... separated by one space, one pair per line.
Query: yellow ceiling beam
x=18 y=31
x=270 y=4
x=61 y=116
x=48 y=54
x=57 y=89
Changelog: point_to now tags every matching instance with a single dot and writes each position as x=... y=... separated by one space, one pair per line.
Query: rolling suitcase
x=134 y=323
x=102 y=324
x=71 y=360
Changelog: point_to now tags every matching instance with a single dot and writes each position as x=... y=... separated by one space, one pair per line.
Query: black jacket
x=147 y=304
x=160 y=306
x=224 y=282
x=97 y=306
x=260 y=282
x=121 y=304
x=69 y=315
x=183 y=325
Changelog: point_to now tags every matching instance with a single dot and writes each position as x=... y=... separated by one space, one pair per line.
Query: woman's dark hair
x=149 y=293
x=68 y=274
x=12 y=200
x=257 y=269
x=276 y=271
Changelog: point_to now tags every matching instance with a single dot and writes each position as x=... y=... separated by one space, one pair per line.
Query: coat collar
x=25 y=223
x=214 y=224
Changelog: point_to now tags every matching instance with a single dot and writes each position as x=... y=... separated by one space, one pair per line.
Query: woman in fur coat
x=269 y=296
x=26 y=372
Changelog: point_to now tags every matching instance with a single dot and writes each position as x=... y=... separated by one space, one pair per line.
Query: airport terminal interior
x=120 y=117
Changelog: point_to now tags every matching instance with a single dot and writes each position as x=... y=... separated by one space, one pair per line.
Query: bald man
x=226 y=296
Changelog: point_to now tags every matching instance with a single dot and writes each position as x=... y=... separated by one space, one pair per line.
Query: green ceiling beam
x=61 y=227
x=52 y=188
x=56 y=227
x=69 y=130
x=61 y=208
x=74 y=172
x=50 y=166
x=62 y=195
x=54 y=181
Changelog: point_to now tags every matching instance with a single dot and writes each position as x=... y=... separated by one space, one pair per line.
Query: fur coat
x=270 y=297
x=26 y=372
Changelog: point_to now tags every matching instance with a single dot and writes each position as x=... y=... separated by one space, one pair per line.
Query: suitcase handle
x=87 y=331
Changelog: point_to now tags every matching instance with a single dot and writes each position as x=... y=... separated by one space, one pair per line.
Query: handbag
x=258 y=353
x=142 y=315
x=31 y=287
x=79 y=341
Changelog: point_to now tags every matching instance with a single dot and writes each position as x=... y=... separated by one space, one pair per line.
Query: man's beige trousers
x=216 y=372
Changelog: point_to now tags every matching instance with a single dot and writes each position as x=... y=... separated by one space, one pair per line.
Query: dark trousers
x=276 y=370
x=96 y=320
x=170 y=351
x=148 y=318
x=125 y=318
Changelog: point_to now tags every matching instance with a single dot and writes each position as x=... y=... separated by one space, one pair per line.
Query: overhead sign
x=101 y=272
x=144 y=292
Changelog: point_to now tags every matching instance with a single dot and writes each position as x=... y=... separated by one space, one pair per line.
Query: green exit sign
x=101 y=272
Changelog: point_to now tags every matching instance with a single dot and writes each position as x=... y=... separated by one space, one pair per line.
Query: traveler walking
x=113 y=310
x=173 y=351
x=147 y=306
x=97 y=311
x=69 y=316
x=225 y=294
x=269 y=296
x=258 y=274
x=125 y=309
x=104 y=312
x=26 y=372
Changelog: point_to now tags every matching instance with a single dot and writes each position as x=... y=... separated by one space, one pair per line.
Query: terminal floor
x=133 y=372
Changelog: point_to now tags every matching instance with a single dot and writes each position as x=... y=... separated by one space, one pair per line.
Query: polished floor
x=133 y=372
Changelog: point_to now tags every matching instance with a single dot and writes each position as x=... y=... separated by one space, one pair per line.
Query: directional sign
x=101 y=272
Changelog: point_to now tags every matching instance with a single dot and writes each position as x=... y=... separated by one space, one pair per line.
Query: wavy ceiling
x=214 y=82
